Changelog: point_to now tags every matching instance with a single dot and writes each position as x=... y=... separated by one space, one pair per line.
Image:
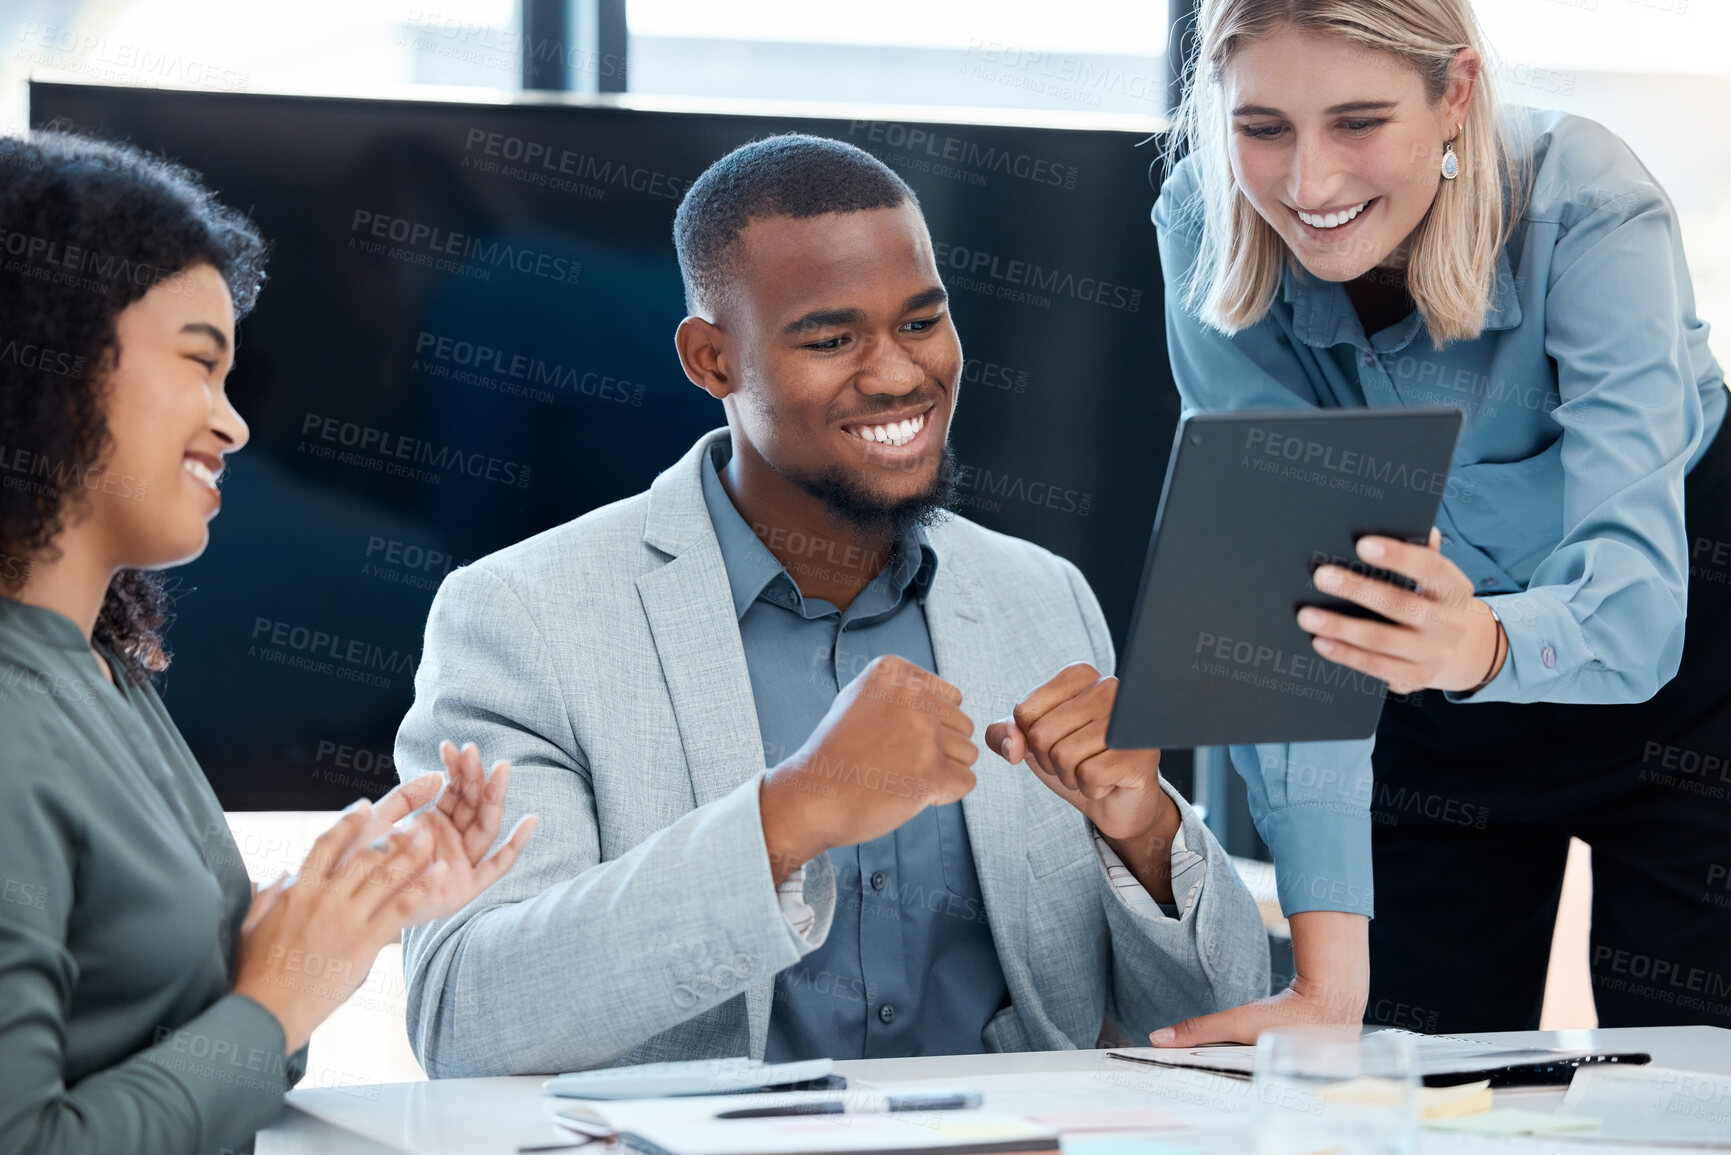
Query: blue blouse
x=1585 y=402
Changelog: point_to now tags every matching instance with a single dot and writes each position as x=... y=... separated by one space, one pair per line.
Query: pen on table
x=1170 y=1066
x=928 y=1101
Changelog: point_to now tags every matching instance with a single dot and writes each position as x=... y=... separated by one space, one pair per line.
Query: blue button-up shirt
x=908 y=967
x=1586 y=400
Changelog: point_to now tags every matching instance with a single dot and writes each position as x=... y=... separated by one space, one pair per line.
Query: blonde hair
x=1452 y=263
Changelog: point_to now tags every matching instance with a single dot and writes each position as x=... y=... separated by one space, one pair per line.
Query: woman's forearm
x=1331 y=963
x=1331 y=984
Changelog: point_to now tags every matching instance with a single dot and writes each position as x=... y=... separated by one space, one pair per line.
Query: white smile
x=199 y=470
x=897 y=433
x=1330 y=220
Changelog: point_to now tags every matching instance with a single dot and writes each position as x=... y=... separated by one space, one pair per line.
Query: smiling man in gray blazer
x=745 y=705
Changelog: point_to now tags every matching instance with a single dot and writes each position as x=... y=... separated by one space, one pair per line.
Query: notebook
x=691 y=1127
x=1441 y=1061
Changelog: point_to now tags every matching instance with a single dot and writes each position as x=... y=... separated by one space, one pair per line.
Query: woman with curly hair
x=150 y=1000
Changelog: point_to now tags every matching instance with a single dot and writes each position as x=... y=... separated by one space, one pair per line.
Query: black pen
x=916 y=1101
x=833 y=1107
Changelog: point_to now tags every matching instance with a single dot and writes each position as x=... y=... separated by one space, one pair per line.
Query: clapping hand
x=464 y=824
x=309 y=939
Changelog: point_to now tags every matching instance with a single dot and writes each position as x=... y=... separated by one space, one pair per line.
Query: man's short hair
x=790 y=175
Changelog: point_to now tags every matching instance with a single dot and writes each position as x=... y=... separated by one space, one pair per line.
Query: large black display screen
x=467 y=337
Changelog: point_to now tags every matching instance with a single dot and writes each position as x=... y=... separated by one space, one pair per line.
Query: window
x=1087 y=56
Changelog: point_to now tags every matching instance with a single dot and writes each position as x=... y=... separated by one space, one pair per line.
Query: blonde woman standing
x=1358 y=223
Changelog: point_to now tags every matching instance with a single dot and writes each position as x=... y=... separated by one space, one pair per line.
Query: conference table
x=502 y=1116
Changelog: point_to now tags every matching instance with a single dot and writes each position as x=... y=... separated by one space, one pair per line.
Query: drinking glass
x=1319 y=1089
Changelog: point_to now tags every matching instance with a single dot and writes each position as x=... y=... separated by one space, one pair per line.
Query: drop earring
x=1451 y=164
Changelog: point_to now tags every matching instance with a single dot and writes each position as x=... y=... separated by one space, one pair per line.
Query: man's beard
x=854 y=505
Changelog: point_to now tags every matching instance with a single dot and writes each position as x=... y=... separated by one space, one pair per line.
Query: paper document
x=1125 y=1096
x=1655 y=1105
x=1115 y=1097
x=1514 y=1121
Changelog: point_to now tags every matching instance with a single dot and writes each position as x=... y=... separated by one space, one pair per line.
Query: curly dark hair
x=87 y=227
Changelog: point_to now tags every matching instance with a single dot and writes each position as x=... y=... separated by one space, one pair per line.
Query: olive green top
x=121 y=898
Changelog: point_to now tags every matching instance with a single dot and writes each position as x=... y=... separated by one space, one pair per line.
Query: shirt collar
x=42 y=624
x=752 y=568
x=1323 y=316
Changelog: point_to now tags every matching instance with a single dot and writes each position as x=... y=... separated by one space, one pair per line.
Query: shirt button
x=878 y=880
x=886 y=1014
x=1370 y=358
x=1488 y=581
x=1549 y=657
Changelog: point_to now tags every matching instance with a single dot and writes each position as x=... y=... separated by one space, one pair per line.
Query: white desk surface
x=496 y=1116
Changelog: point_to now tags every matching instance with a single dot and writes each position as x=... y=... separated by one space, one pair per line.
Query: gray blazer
x=603 y=658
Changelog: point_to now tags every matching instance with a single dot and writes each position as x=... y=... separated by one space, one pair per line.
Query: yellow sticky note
x=1453 y=1102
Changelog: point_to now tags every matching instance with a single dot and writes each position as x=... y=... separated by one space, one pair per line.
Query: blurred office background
x=1654 y=71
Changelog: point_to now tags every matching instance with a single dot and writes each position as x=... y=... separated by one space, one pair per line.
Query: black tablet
x=1254 y=503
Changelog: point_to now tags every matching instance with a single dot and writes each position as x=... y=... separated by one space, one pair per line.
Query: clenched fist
x=1060 y=728
x=893 y=742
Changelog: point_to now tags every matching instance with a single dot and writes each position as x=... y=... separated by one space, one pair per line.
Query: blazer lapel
x=690 y=611
x=961 y=644
x=689 y=605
